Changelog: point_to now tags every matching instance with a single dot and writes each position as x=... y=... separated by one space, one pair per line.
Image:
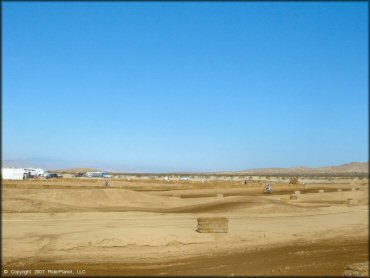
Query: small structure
x=212 y=225
x=13 y=174
x=21 y=173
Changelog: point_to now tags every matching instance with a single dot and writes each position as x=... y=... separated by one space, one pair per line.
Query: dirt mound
x=361 y=197
x=79 y=199
x=62 y=200
x=357 y=270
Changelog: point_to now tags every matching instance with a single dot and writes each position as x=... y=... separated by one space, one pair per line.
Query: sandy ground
x=116 y=231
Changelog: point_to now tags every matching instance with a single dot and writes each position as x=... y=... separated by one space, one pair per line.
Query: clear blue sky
x=186 y=86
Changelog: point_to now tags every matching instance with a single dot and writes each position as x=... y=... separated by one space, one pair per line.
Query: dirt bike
x=268 y=189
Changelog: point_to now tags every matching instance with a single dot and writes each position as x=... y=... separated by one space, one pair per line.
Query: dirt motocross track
x=124 y=230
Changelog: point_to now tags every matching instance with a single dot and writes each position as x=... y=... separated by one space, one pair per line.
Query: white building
x=12 y=173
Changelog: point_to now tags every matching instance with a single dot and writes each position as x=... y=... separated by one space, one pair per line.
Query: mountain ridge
x=352 y=167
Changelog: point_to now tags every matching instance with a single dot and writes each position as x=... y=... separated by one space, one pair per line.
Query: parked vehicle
x=52 y=176
x=98 y=175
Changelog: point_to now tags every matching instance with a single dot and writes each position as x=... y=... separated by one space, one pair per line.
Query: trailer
x=97 y=175
x=13 y=174
x=34 y=172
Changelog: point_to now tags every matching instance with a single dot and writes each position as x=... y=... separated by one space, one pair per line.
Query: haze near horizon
x=185 y=86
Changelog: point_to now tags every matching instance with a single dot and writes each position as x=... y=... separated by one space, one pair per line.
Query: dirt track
x=300 y=259
x=117 y=231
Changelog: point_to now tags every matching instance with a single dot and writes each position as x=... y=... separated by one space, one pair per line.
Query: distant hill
x=353 y=167
x=35 y=162
x=75 y=170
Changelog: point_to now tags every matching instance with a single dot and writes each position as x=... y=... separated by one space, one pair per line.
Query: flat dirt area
x=149 y=228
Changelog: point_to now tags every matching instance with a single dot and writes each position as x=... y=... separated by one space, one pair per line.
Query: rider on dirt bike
x=268 y=188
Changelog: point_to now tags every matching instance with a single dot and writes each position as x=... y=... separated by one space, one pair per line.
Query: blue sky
x=185 y=86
